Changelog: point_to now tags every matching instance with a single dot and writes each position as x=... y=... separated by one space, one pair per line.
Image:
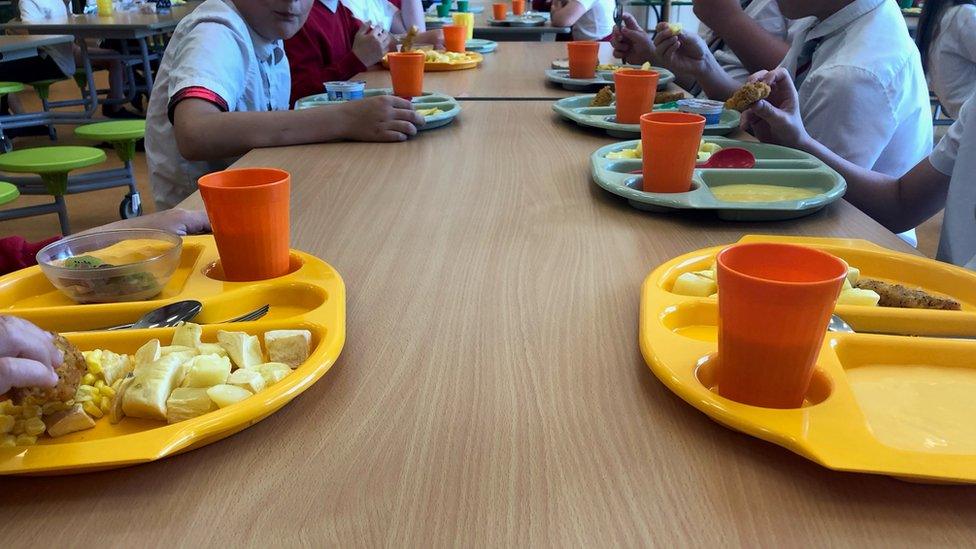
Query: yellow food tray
x=471 y=60
x=839 y=426
x=311 y=297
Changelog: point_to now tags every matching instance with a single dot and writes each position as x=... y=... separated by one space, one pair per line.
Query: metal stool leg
x=62 y=215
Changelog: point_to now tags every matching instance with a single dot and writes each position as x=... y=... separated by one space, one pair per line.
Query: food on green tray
x=749 y=192
x=429 y=112
x=603 y=98
x=705 y=151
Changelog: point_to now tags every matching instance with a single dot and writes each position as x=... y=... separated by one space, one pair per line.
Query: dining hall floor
x=96 y=208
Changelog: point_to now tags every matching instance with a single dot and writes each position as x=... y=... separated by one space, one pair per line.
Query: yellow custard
x=131 y=251
x=918 y=408
x=751 y=192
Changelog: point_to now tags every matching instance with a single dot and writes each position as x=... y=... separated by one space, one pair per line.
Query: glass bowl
x=133 y=281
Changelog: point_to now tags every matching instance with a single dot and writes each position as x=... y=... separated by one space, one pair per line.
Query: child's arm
x=410 y=14
x=565 y=13
x=754 y=46
x=204 y=132
x=687 y=55
x=897 y=203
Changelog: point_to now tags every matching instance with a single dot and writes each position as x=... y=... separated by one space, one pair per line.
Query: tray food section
x=436 y=108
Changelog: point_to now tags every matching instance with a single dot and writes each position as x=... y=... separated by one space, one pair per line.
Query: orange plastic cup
x=670 y=142
x=248 y=210
x=635 y=90
x=518 y=7
x=499 y=11
x=407 y=73
x=583 y=58
x=775 y=301
x=455 y=37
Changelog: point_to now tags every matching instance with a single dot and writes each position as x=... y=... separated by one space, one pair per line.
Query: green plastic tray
x=428 y=100
x=603 y=78
x=480 y=45
x=774 y=166
x=578 y=109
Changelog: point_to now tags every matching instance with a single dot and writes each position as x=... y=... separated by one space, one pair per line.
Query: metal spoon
x=165 y=316
x=839 y=325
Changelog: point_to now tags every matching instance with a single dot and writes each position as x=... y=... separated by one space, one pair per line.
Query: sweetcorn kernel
x=30 y=411
x=8 y=441
x=106 y=405
x=18 y=427
x=87 y=379
x=95 y=367
x=34 y=426
x=7 y=423
x=107 y=392
x=99 y=384
x=26 y=440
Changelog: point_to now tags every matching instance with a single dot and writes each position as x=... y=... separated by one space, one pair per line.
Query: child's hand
x=382 y=118
x=179 y=221
x=370 y=44
x=631 y=43
x=685 y=53
x=777 y=119
x=28 y=356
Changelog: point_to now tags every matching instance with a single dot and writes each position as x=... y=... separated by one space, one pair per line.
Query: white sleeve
x=378 y=12
x=943 y=158
x=587 y=4
x=196 y=64
x=31 y=11
x=964 y=31
x=849 y=112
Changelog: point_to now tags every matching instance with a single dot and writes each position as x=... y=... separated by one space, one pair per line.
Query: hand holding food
x=371 y=44
x=686 y=54
x=777 y=119
x=28 y=356
x=407 y=43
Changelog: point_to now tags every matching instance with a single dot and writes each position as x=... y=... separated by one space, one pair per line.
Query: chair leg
x=62 y=215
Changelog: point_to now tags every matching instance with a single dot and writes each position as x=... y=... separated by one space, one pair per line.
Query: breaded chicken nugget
x=748 y=95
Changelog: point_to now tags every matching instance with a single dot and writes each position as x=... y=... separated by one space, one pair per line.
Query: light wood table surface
x=516 y=70
x=14 y=47
x=491 y=391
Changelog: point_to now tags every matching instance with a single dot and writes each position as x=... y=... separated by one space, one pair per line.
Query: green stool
x=52 y=164
x=122 y=134
x=43 y=89
x=8 y=193
x=6 y=88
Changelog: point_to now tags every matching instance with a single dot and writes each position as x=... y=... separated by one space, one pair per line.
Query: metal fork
x=253 y=315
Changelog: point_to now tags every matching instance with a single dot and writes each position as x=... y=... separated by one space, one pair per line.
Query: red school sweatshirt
x=322 y=51
x=16 y=253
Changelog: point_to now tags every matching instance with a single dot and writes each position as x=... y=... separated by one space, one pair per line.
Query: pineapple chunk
x=188 y=334
x=206 y=371
x=272 y=372
x=170 y=349
x=225 y=395
x=694 y=284
x=853 y=273
x=114 y=366
x=211 y=349
x=857 y=296
x=72 y=420
x=247 y=378
x=847 y=285
x=148 y=352
x=186 y=403
x=289 y=347
x=243 y=349
x=153 y=382
x=706 y=274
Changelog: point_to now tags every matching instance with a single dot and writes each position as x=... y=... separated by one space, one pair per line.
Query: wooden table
x=491 y=391
x=14 y=47
x=516 y=70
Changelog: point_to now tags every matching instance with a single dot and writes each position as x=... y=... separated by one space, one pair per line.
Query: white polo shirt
x=213 y=49
x=48 y=11
x=597 y=22
x=378 y=12
x=764 y=12
x=955 y=156
x=952 y=58
x=865 y=96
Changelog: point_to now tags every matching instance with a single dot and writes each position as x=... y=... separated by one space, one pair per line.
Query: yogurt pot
x=345 y=91
x=711 y=110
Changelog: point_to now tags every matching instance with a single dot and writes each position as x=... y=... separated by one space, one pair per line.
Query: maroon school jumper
x=322 y=51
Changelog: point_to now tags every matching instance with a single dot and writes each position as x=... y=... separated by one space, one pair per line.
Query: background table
x=14 y=47
x=491 y=391
x=516 y=70
x=121 y=25
x=545 y=33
